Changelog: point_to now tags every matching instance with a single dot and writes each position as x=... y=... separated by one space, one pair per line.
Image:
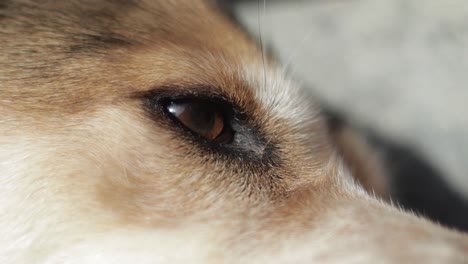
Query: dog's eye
x=204 y=118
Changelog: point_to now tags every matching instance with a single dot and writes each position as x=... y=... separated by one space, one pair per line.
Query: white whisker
x=262 y=48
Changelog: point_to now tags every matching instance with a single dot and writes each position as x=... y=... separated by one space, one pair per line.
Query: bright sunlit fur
x=88 y=176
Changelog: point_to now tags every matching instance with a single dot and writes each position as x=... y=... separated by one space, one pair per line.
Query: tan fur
x=87 y=175
x=363 y=162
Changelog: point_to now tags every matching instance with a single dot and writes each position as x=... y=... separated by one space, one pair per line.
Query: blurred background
x=398 y=70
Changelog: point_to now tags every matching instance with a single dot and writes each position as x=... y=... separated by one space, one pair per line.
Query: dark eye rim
x=242 y=122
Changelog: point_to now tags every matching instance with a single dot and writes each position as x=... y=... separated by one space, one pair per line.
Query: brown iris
x=202 y=117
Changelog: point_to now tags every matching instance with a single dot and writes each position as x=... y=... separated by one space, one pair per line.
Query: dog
x=158 y=132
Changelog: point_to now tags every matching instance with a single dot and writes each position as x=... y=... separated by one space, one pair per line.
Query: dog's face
x=158 y=132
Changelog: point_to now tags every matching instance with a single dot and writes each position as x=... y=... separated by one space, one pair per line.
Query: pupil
x=203 y=117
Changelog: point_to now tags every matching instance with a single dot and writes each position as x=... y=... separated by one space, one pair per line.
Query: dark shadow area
x=415 y=184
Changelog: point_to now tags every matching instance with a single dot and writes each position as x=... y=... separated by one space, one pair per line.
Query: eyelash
x=197 y=92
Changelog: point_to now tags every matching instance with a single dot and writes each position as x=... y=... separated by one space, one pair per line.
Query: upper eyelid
x=161 y=94
x=179 y=90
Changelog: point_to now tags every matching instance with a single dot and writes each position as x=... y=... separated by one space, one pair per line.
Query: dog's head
x=158 y=132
